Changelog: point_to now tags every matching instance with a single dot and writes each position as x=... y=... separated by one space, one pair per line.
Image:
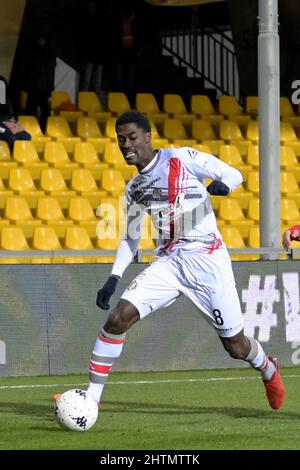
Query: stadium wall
x=49 y=320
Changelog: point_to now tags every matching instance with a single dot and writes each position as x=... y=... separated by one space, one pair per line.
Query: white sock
x=258 y=359
x=107 y=348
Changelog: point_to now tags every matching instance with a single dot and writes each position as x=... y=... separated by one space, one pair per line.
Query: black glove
x=104 y=294
x=217 y=188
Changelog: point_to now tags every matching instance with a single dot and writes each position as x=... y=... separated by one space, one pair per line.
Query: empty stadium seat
x=118 y=103
x=229 y=107
x=88 y=130
x=146 y=103
x=6 y=163
x=77 y=238
x=231 y=212
x=56 y=156
x=231 y=133
x=50 y=213
x=175 y=107
x=230 y=154
x=59 y=130
x=13 y=239
x=89 y=103
x=175 y=132
x=25 y=154
x=81 y=212
x=203 y=108
x=114 y=158
x=17 y=211
x=86 y=156
x=21 y=183
x=31 y=125
x=233 y=239
x=252 y=106
x=85 y=185
x=45 y=238
x=113 y=182
x=110 y=131
x=289 y=212
x=53 y=184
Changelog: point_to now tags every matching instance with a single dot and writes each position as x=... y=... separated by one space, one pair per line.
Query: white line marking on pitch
x=142 y=382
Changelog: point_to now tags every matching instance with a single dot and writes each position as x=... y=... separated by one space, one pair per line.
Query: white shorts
x=206 y=279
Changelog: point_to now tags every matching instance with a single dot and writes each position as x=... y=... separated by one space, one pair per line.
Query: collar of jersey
x=150 y=165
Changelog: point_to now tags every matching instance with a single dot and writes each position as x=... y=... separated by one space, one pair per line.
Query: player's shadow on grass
x=45 y=412
x=169 y=409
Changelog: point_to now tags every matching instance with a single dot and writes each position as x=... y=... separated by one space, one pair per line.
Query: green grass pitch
x=186 y=410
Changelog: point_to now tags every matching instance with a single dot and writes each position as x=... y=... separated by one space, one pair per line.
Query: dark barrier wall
x=49 y=320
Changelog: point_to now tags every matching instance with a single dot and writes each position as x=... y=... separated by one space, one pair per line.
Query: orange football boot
x=275 y=389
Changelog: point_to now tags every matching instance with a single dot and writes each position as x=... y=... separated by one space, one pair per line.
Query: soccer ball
x=76 y=410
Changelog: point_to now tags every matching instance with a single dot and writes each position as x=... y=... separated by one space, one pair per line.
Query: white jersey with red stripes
x=172 y=189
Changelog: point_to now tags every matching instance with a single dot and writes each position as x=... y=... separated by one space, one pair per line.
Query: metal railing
x=276 y=252
x=208 y=55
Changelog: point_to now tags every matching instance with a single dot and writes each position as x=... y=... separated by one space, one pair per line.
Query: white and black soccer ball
x=76 y=410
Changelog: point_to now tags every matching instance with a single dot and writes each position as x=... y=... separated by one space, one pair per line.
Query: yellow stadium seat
x=289 y=161
x=202 y=131
x=242 y=196
x=50 y=213
x=13 y=239
x=229 y=107
x=175 y=107
x=174 y=131
x=231 y=133
x=253 y=210
x=110 y=131
x=287 y=133
x=89 y=103
x=4 y=193
x=25 y=154
x=57 y=98
x=17 y=211
x=45 y=238
x=59 y=130
x=53 y=183
x=81 y=212
x=114 y=158
x=252 y=132
x=86 y=157
x=77 y=238
x=56 y=156
x=113 y=182
x=252 y=157
x=85 y=185
x=254 y=238
x=31 y=124
x=231 y=212
x=146 y=103
x=6 y=163
x=21 y=183
x=203 y=148
x=252 y=106
x=88 y=130
x=118 y=103
x=230 y=154
x=289 y=212
x=289 y=187
x=252 y=182
x=107 y=240
x=232 y=237
x=203 y=108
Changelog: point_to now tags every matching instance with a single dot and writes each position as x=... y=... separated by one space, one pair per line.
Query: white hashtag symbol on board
x=259 y=302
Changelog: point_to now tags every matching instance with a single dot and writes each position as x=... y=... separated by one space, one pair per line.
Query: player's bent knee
x=121 y=318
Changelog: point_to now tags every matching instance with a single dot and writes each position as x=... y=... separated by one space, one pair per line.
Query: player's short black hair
x=140 y=119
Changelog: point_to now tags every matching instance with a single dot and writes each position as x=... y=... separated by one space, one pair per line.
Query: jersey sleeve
x=129 y=244
x=205 y=165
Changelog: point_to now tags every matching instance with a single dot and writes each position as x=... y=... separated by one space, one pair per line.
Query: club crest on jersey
x=157 y=194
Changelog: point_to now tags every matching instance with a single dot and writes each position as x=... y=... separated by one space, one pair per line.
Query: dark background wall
x=68 y=32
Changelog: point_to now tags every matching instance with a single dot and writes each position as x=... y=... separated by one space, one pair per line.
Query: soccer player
x=292 y=233
x=191 y=257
